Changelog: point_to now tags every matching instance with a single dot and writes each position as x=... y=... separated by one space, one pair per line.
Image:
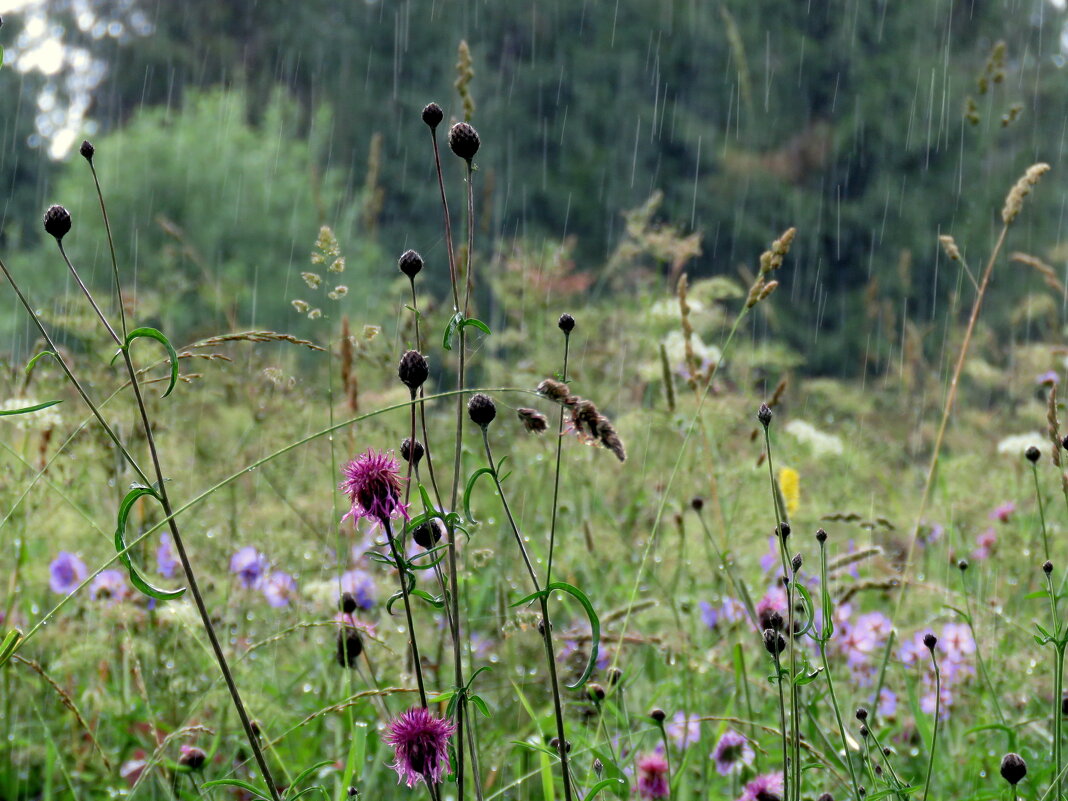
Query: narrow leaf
x=152 y=333
x=120 y=545
x=29 y=409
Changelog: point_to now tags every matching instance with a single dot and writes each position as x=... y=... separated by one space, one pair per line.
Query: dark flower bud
x=554 y=743
x=862 y=791
x=87 y=150
x=770 y=619
x=764 y=415
x=796 y=562
x=1064 y=705
x=598 y=767
x=1064 y=442
x=566 y=323
x=658 y=715
x=1032 y=453
x=533 y=421
x=864 y=732
x=878 y=770
x=428 y=534
x=57 y=222
x=353 y=792
x=698 y=503
x=481 y=409
x=1047 y=567
x=413 y=370
x=784 y=529
x=541 y=626
x=825 y=797
x=774 y=642
x=862 y=713
x=962 y=565
x=410 y=263
x=887 y=751
x=410 y=453
x=192 y=757
x=821 y=535
x=930 y=641
x=464 y=141
x=433 y=115
x=596 y=691
x=348 y=603
x=614 y=675
x=1013 y=768
x=349 y=646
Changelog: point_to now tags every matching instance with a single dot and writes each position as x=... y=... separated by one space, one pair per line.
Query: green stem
x=556 y=475
x=934 y=732
x=402 y=573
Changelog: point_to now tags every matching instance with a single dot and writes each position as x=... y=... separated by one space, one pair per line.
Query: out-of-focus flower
x=790 y=485
x=821 y=443
x=1016 y=445
x=986 y=542
x=653 y=776
x=132 y=769
x=1050 y=378
x=166 y=563
x=420 y=745
x=732 y=753
x=1004 y=512
x=110 y=586
x=361 y=586
x=765 y=787
x=248 y=565
x=279 y=588
x=684 y=729
x=709 y=615
x=67 y=571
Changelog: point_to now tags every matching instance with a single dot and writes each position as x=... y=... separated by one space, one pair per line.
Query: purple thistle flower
x=373 y=486
x=1004 y=512
x=1049 y=378
x=279 y=588
x=361 y=586
x=732 y=753
x=166 y=563
x=110 y=586
x=67 y=572
x=653 y=776
x=765 y=787
x=420 y=743
x=683 y=730
x=248 y=565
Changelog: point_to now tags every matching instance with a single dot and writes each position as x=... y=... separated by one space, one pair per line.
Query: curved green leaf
x=481 y=326
x=28 y=409
x=595 y=623
x=256 y=793
x=152 y=333
x=33 y=362
x=450 y=330
x=9 y=646
x=480 y=705
x=430 y=599
x=603 y=784
x=470 y=486
x=120 y=545
x=810 y=608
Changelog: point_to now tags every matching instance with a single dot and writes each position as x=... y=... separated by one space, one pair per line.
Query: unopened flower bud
x=481 y=409
x=698 y=503
x=349 y=646
x=428 y=534
x=433 y=115
x=614 y=675
x=962 y=565
x=596 y=691
x=658 y=715
x=413 y=370
x=1033 y=454
x=796 y=562
x=764 y=415
x=1047 y=567
x=774 y=642
x=87 y=150
x=862 y=713
x=410 y=263
x=348 y=603
x=192 y=757
x=930 y=641
x=821 y=535
x=464 y=141
x=784 y=529
x=1013 y=768
x=57 y=222
x=410 y=453
x=566 y=323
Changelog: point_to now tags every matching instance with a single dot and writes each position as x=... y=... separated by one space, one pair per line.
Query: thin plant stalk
x=1041 y=510
x=402 y=577
x=546 y=623
x=934 y=730
x=556 y=474
x=983 y=672
x=786 y=778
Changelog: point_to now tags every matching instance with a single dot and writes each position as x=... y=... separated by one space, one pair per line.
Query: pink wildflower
x=421 y=744
x=373 y=484
x=653 y=777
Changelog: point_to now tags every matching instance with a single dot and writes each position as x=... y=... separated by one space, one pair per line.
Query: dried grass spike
x=1021 y=189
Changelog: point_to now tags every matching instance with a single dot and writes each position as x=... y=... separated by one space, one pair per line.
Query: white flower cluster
x=821 y=443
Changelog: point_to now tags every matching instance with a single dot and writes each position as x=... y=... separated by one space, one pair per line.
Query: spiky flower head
x=766 y=787
x=732 y=753
x=57 y=222
x=653 y=776
x=373 y=485
x=87 y=150
x=420 y=744
x=464 y=141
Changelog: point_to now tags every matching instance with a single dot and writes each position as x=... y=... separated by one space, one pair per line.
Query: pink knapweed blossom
x=766 y=787
x=732 y=753
x=653 y=777
x=420 y=744
x=373 y=484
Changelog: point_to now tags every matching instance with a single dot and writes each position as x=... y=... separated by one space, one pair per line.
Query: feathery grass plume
x=770 y=260
x=1021 y=189
x=668 y=378
x=557 y=391
x=464 y=74
x=949 y=245
x=1049 y=275
x=994 y=69
x=533 y=421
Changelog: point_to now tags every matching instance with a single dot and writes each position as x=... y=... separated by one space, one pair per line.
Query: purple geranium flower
x=361 y=586
x=683 y=730
x=373 y=484
x=248 y=565
x=166 y=563
x=279 y=588
x=766 y=787
x=420 y=744
x=732 y=753
x=110 y=586
x=653 y=776
x=67 y=572
x=709 y=615
x=1049 y=378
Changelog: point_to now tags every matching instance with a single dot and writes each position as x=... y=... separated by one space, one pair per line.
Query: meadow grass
x=541 y=555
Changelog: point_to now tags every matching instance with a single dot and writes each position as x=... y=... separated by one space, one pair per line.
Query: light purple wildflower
x=765 y=787
x=1004 y=512
x=373 y=484
x=772 y=558
x=927 y=702
x=709 y=615
x=166 y=563
x=1048 y=378
x=913 y=652
x=957 y=641
x=987 y=542
x=653 y=777
x=420 y=744
x=361 y=586
x=732 y=610
x=249 y=565
x=67 y=572
x=110 y=586
x=732 y=753
x=684 y=729
x=279 y=588
x=887 y=706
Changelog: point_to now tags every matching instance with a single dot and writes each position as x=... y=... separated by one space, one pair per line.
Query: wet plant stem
x=546 y=623
x=1041 y=510
x=556 y=475
x=786 y=782
x=934 y=729
x=179 y=544
x=978 y=649
x=402 y=579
